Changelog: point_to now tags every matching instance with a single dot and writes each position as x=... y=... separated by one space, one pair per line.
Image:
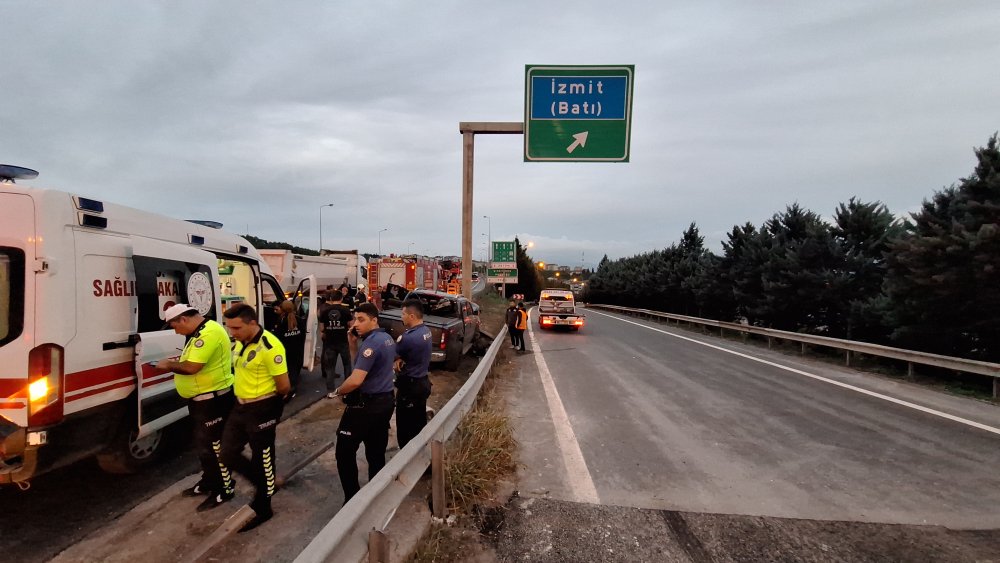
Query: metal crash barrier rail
x=346 y=537
x=909 y=356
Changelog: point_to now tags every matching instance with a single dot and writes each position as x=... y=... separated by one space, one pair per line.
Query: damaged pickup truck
x=452 y=319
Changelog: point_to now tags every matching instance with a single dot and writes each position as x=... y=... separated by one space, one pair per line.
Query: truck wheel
x=453 y=358
x=127 y=454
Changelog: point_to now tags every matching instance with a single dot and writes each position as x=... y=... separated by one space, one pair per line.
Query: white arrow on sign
x=581 y=141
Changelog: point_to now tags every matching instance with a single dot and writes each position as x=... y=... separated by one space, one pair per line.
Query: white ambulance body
x=83 y=287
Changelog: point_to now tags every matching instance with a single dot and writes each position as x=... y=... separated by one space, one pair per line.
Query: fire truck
x=83 y=287
x=393 y=277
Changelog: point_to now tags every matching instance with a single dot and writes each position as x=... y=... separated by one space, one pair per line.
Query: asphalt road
x=656 y=420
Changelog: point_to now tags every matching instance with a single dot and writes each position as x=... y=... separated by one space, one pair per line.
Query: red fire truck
x=400 y=275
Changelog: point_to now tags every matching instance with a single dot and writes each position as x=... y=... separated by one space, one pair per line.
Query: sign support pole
x=468 y=131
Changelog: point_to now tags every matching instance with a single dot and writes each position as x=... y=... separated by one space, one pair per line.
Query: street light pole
x=321 y=226
x=380 y=240
x=408 y=247
x=489 y=229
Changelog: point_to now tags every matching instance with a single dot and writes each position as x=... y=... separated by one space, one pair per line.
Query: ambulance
x=83 y=287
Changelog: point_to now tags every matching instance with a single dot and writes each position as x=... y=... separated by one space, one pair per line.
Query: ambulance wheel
x=128 y=454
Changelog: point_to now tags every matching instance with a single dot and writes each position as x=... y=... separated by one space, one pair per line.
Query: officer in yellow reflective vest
x=261 y=385
x=204 y=377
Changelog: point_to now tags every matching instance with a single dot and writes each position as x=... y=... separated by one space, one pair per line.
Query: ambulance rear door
x=305 y=307
x=166 y=274
x=17 y=303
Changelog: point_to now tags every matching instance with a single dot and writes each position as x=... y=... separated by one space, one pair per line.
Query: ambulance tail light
x=578 y=322
x=45 y=390
x=546 y=320
x=445 y=333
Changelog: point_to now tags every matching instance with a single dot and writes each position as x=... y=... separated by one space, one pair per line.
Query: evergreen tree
x=863 y=232
x=261 y=243
x=529 y=279
x=798 y=275
x=943 y=280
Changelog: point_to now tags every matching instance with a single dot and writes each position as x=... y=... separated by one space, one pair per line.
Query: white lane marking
x=901 y=402
x=576 y=467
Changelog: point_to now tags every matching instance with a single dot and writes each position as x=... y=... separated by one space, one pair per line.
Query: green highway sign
x=577 y=113
x=497 y=275
x=504 y=251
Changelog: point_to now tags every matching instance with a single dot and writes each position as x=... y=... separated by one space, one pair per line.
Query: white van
x=83 y=287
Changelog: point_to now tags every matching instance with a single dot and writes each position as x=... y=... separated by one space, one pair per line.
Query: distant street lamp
x=489 y=229
x=321 y=225
x=380 y=240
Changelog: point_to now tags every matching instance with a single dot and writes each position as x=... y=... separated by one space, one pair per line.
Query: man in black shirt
x=335 y=319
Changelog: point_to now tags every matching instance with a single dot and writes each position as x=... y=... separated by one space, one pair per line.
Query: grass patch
x=478 y=455
x=442 y=544
x=493 y=310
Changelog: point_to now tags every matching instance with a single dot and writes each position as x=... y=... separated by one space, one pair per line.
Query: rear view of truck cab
x=557 y=308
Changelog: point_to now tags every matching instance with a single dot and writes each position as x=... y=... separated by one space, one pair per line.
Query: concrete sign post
x=577 y=113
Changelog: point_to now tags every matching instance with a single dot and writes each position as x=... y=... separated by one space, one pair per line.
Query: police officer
x=368 y=396
x=204 y=377
x=261 y=385
x=413 y=359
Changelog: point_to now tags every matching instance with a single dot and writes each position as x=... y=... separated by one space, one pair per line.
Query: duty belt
x=243 y=401
x=211 y=394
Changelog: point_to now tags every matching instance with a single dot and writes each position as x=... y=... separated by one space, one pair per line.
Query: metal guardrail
x=909 y=356
x=346 y=536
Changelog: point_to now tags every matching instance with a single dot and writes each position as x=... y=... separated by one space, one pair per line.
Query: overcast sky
x=257 y=116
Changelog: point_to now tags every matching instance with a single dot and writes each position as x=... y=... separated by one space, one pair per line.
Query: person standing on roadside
x=336 y=319
x=367 y=395
x=413 y=385
x=261 y=385
x=289 y=331
x=347 y=296
x=204 y=378
x=522 y=325
x=512 y=324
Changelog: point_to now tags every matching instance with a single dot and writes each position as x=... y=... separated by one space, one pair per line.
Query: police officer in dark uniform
x=261 y=385
x=368 y=396
x=413 y=360
x=204 y=377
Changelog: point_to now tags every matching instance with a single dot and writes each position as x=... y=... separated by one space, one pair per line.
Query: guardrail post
x=909 y=370
x=996 y=388
x=378 y=547
x=803 y=353
x=744 y=334
x=847 y=357
x=437 y=478
x=769 y=342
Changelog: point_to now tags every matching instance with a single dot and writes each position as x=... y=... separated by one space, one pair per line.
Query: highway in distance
x=639 y=414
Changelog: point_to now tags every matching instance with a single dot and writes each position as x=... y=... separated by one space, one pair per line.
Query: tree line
x=929 y=281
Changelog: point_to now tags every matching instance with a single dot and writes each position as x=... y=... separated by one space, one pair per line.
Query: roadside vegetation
x=928 y=281
x=478 y=456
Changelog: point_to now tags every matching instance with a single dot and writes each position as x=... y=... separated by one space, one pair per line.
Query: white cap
x=177 y=310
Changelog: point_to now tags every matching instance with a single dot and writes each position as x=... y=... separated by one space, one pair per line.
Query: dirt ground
x=166 y=527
